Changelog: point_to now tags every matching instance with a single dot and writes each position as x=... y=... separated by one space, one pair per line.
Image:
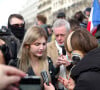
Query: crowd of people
x=64 y=47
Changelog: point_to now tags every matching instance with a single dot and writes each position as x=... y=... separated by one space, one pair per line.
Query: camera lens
x=75 y=59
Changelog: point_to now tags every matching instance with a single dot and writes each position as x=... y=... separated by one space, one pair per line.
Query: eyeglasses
x=18 y=25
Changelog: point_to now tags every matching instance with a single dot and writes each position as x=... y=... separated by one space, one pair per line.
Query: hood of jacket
x=90 y=62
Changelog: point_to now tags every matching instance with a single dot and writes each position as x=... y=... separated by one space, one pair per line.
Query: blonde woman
x=32 y=54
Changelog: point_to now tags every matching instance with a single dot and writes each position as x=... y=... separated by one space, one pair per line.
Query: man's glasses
x=18 y=25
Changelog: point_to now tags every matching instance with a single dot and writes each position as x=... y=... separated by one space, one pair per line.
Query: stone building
x=44 y=8
x=50 y=8
x=29 y=12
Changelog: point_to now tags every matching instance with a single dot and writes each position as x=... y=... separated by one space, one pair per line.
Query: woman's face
x=38 y=47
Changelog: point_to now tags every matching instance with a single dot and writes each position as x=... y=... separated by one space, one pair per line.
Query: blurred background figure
x=50 y=31
x=74 y=24
x=80 y=17
x=97 y=34
x=61 y=15
x=41 y=21
x=87 y=12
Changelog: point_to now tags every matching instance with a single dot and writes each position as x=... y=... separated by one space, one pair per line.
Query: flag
x=94 y=19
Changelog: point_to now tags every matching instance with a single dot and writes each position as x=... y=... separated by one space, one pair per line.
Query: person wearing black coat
x=85 y=55
x=87 y=72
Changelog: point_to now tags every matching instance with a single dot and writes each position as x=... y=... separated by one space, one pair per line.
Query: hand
x=62 y=60
x=9 y=75
x=67 y=83
x=50 y=87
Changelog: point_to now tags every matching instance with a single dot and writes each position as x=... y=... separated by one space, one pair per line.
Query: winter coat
x=87 y=72
x=11 y=41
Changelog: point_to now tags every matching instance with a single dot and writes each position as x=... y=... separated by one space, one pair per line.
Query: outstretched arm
x=9 y=75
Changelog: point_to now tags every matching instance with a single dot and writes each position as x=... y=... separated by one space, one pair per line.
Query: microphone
x=62 y=71
x=63 y=50
x=45 y=77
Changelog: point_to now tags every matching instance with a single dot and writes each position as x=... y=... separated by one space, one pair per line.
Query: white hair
x=61 y=22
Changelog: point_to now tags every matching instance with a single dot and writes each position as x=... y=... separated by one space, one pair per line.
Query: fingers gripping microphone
x=45 y=77
x=62 y=71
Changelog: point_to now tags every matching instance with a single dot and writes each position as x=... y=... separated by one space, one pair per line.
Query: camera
x=76 y=59
x=30 y=83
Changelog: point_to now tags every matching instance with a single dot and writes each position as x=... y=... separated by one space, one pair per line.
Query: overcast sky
x=8 y=7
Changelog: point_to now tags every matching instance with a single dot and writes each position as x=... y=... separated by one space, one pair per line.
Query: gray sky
x=8 y=7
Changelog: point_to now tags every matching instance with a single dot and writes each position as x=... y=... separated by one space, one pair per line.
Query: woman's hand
x=67 y=83
x=8 y=76
x=50 y=87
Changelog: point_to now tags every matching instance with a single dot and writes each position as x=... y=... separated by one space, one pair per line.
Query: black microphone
x=63 y=50
x=45 y=77
x=62 y=71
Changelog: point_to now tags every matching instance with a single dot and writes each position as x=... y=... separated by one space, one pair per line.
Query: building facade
x=44 y=8
x=29 y=12
x=50 y=8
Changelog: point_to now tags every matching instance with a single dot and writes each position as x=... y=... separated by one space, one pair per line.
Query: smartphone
x=30 y=83
x=45 y=77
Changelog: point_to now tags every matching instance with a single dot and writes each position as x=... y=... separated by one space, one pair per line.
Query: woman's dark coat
x=87 y=72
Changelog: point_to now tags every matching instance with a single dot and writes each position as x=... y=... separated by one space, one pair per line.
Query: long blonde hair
x=31 y=36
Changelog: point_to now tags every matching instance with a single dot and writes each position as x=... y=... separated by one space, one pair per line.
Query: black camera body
x=76 y=59
x=30 y=83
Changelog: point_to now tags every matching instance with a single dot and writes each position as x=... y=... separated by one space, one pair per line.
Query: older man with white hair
x=61 y=28
x=56 y=50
